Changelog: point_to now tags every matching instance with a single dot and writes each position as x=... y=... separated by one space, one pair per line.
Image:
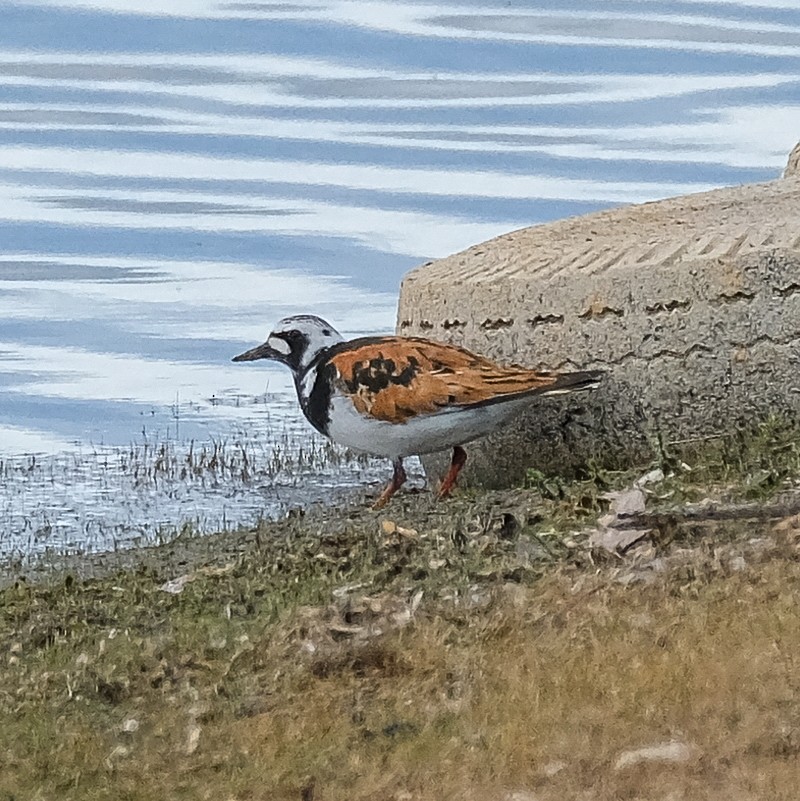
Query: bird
x=398 y=396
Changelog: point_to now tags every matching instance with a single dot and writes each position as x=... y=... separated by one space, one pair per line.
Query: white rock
x=673 y=751
x=176 y=585
x=192 y=738
x=552 y=768
x=130 y=725
x=627 y=502
x=616 y=540
x=653 y=477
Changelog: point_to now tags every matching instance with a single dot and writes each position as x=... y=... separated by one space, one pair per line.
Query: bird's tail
x=573 y=382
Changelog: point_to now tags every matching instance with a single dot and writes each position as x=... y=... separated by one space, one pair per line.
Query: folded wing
x=397 y=378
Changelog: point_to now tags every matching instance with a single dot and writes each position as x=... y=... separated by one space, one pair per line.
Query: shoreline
x=756 y=466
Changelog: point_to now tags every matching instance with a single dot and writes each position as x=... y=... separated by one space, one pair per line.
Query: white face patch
x=280 y=345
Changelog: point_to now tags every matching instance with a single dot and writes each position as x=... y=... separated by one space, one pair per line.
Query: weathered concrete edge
x=725 y=322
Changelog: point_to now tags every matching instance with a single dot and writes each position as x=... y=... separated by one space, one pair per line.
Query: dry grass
x=300 y=662
x=480 y=696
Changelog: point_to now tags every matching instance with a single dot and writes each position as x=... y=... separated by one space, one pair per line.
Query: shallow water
x=173 y=180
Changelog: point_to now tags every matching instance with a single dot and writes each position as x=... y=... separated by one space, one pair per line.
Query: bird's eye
x=326 y=332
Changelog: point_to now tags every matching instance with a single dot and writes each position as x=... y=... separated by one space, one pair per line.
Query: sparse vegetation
x=471 y=650
x=151 y=492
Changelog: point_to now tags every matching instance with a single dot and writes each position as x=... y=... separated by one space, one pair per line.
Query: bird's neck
x=314 y=394
x=304 y=381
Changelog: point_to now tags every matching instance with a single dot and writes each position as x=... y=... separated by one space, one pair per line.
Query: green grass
x=480 y=650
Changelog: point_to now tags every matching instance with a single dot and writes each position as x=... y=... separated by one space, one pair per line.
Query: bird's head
x=295 y=342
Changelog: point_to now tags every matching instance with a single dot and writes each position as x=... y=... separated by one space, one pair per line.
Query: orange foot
x=456 y=463
x=398 y=479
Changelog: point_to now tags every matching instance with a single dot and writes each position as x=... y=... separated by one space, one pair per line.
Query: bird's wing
x=397 y=378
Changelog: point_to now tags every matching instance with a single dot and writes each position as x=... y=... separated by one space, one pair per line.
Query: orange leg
x=458 y=461
x=398 y=479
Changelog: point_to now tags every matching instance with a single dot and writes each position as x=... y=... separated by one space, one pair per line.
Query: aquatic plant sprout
x=106 y=498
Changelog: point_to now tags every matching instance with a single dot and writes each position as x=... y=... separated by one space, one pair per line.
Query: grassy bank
x=484 y=648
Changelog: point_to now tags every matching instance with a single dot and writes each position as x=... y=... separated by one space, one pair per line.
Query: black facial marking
x=316 y=406
x=298 y=343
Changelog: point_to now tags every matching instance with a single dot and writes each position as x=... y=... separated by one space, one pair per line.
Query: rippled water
x=173 y=179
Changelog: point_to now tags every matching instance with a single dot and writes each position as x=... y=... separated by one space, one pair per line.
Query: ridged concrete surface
x=691 y=304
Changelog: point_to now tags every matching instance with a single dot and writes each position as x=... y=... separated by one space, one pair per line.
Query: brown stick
x=710 y=513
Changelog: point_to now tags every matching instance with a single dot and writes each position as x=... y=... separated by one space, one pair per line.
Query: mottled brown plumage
x=397 y=378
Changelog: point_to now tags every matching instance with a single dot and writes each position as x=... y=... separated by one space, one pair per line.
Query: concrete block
x=691 y=305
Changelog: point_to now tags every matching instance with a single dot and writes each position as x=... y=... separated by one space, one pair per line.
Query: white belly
x=424 y=434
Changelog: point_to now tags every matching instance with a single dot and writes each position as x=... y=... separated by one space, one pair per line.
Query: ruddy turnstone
x=397 y=396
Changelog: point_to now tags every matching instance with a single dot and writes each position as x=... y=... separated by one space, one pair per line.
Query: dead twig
x=710 y=512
